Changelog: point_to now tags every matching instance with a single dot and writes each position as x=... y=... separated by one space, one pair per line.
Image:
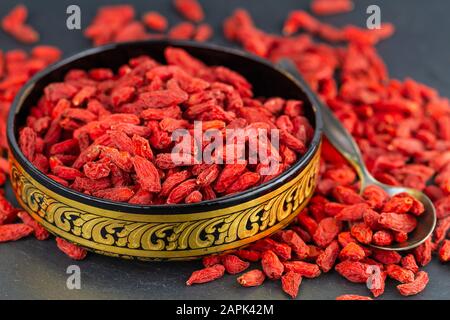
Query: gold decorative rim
x=164 y=237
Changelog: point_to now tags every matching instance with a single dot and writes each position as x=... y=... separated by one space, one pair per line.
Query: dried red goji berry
x=39 y=232
x=190 y=9
x=206 y=275
x=305 y=269
x=362 y=233
x=327 y=230
x=329 y=7
x=271 y=265
x=249 y=255
x=155 y=21
x=353 y=271
x=353 y=297
x=352 y=251
x=296 y=243
x=416 y=286
x=14 y=232
x=327 y=258
x=147 y=174
x=398 y=222
x=233 y=264
x=400 y=274
x=251 y=278
x=444 y=251
x=71 y=250
x=291 y=283
x=210 y=261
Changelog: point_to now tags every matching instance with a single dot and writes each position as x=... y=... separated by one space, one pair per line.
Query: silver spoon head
x=426 y=222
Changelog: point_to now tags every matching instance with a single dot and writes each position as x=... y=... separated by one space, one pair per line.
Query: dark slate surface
x=30 y=269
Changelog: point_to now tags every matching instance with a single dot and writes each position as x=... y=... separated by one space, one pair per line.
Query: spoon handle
x=336 y=133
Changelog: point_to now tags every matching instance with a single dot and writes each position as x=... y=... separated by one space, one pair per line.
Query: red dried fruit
x=173 y=180
x=398 y=222
x=327 y=258
x=206 y=275
x=409 y=262
x=414 y=287
x=330 y=7
x=423 y=253
x=377 y=281
x=210 y=261
x=352 y=251
x=353 y=271
x=362 y=233
x=346 y=195
x=141 y=197
x=14 y=232
x=291 y=283
x=252 y=278
x=386 y=257
x=327 y=230
x=14 y=24
x=352 y=212
x=96 y=170
x=353 y=297
x=375 y=196
x=39 y=232
x=444 y=251
x=399 y=204
x=271 y=265
x=203 y=33
x=382 y=238
x=229 y=174
x=190 y=9
x=147 y=174
x=27 y=142
x=300 y=248
x=71 y=250
x=249 y=255
x=305 y=269
x=182 y=31
x=233 y=264
x=208 y=176
x=194 y=197
x=400 y=274
x=122 y=194
x=155 y=21
x=180 y=192
x=48 y=53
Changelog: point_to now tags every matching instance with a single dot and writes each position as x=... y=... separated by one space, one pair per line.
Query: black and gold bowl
x=165 y=232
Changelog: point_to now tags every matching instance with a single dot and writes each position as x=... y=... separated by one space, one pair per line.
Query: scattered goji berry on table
x=71 y=250
x=206 y=275
x=252 y=278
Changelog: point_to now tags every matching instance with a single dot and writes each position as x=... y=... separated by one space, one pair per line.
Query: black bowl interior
x=267 y=81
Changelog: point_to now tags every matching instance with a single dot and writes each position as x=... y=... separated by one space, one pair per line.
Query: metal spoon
x=344 y=142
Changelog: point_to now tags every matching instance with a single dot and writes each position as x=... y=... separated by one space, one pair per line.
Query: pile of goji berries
x=15 y=25
x=402 y=128
x=110 y=135
x=118 y=23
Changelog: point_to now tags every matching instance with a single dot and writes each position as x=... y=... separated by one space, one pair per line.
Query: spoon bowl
x=343 y=141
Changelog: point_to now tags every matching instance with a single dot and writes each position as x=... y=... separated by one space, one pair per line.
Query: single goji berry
x=416 y=286
x=251 y=278
x=71 y=250
x=233 y=264
x=291 y=283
